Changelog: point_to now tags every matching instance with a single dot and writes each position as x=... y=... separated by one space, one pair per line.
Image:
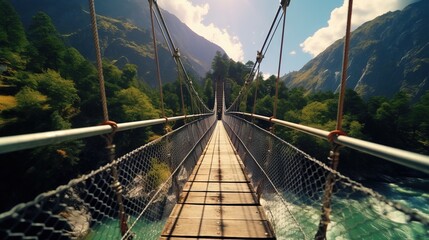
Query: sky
x=240 y=26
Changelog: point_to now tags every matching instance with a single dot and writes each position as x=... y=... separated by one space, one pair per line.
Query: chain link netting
x=291 y=185
x=130 y=197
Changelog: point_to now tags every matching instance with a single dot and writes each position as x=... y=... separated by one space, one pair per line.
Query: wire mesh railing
x=147 y=181
x=291 y=185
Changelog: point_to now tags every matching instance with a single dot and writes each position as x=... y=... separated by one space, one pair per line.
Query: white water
x=351 y=218
x=355 y=217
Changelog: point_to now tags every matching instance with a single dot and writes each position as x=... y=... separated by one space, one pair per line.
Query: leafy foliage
x=135 y=105
x=388 y=54
x=55 y=88
x=46 y=49
x=396 y=121
x=158 y=173
x=13 y=40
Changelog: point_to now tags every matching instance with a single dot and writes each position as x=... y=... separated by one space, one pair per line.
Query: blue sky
x=240 y=26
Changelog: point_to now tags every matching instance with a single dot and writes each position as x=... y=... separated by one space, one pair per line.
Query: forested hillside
x=125 y=35
x=387 y=55
x=45 y=85
x=398 y=121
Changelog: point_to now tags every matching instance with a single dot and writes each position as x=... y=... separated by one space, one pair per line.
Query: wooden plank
x=193 y=227
x=215 y=177
x=225 y=158
x=224 y=162
x=222 y=165
x=217 y=201
x=242 y=212
x=207 y=170
x=216 y=187
x=217 y=198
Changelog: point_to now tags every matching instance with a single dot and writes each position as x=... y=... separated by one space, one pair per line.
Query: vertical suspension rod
x=344 y=70
x=334 y=155
x=116 y=185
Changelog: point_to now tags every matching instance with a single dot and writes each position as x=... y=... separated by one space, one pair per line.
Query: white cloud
x=293 y=52
x=363 y=11
x=193 y=16
x=265 y=76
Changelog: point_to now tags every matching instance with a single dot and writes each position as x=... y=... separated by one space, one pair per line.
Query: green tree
x=209 y=93
x=62 y=93
x=264 y=106
x=296 y=99
x=12 y=36
x=112 y=78
x=237 y=71
x=135 y=105
x=47 y=102
x=315 y=113
x=31 y=100
x=47 y=48
x=220 y=66
x=419 y=126
x=129 y=76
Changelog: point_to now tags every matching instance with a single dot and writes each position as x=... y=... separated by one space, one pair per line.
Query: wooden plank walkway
x=217 y=202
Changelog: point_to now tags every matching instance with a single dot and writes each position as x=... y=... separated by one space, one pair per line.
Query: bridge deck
x=217 y=202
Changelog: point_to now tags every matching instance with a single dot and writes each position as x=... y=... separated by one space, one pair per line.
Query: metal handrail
x=409 y=159
x=27 y=141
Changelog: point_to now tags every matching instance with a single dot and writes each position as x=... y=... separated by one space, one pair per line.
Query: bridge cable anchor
x=334 y=134
x=176 y=53
x=285 y=3
x=259 y=56
x=109 y=136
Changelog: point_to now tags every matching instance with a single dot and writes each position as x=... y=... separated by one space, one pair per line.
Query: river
x=366 y=216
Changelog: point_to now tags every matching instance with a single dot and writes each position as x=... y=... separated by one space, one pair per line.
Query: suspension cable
x=163 y=32
x=334 y=154
x=99 y=61
x=272 y=36
x=171 y=42
x=271 y=28
x=158 y=71
x=256 y=90
x=110 y=147
x=174 y=52
x=179 y=73
x=263 y=50
x=280 y=63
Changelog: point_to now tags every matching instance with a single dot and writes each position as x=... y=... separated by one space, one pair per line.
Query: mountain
x=125 y=34
x=387 y=55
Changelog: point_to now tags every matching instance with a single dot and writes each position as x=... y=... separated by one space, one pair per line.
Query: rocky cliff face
x=387 y=55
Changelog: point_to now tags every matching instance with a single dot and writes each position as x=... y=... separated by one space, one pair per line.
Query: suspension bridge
x=227 y=178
